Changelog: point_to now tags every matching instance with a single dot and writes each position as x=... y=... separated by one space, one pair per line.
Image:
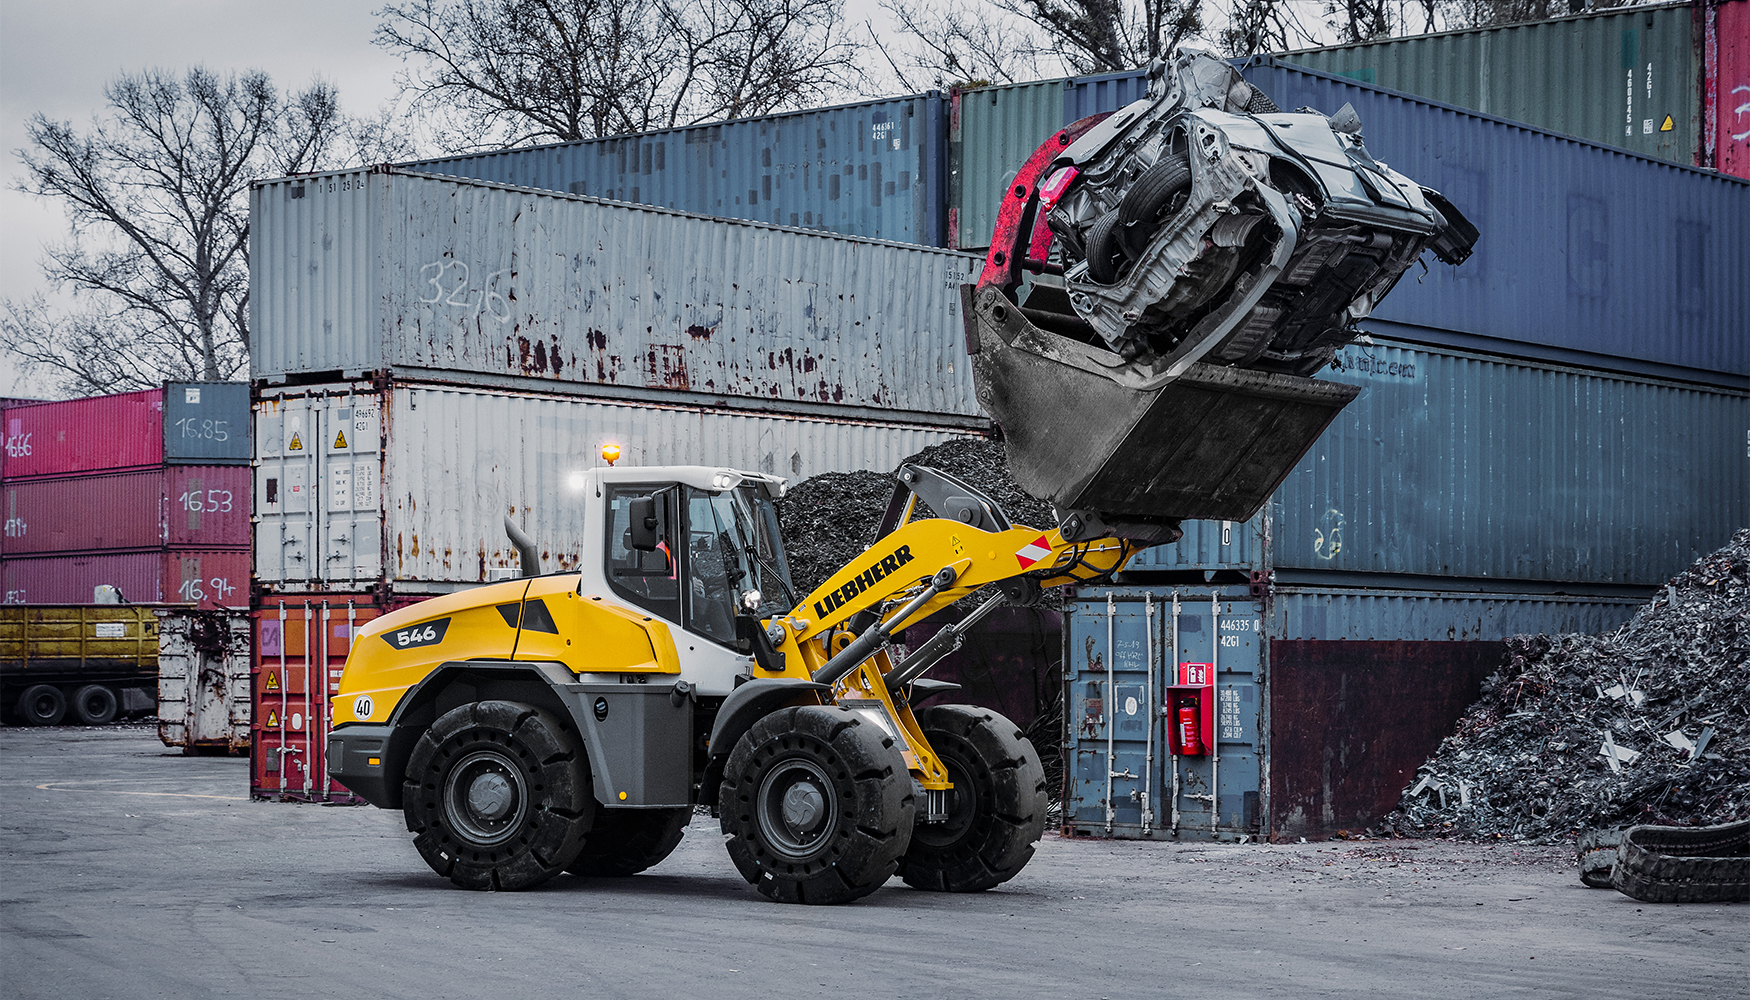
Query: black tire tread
x=1139 y=212
x=1001 y=841
x=563 y=812
x=624 y=842
x=104 y=715
x=1104 y=252
x=1676 y=864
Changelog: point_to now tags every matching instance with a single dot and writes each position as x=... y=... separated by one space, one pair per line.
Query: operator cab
x=694 y=546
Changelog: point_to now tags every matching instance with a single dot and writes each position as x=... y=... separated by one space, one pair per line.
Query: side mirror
x=645 y=526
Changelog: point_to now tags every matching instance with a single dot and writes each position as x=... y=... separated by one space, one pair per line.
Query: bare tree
x=955 y=44
x=156 y=193
x=1255 y=26
x=508 y=72
x=1107 y=36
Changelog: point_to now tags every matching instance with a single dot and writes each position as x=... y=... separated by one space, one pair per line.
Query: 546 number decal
x=424 y=634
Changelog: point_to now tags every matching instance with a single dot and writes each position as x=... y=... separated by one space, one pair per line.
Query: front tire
x=996 y=809
x=498 y=796
x=817 y=805
x=42 y=705
x=627 y=841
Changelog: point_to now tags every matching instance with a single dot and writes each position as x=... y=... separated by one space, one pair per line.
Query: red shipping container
x=180 y=506
x=301 y=642
x=124 y=431
x=210 y=579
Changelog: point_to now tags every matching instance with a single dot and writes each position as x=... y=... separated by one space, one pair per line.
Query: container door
x=1110 y=742
x=351 y=475
x=1217 y=792
x=285 y=530
x=301 y=648
x=174 y=661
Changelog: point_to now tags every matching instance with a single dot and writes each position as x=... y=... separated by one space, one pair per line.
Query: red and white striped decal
x=1032 y=552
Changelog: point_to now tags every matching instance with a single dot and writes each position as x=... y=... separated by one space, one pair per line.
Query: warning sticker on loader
x=1032 y=552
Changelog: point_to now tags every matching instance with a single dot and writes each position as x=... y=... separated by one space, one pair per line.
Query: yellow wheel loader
x=571 y=721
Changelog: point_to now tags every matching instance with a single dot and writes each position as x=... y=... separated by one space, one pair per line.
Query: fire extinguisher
x=1190 y=733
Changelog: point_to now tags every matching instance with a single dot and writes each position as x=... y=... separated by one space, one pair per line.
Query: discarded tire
x=817 y=805
x=996 y=810
x=627 y=841
x=1681 y=864
x=42 y=705
x=1596 y=852
x=1104 y=252
x=498 y=796
x=95 y=705
x=1153 y=195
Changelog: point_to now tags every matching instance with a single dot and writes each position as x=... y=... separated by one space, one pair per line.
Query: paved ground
x=132 y=872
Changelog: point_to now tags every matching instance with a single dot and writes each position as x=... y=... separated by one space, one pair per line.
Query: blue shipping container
x=207 y=423
x=875 y=170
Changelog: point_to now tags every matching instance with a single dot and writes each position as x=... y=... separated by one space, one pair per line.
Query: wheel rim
x=797 y=808
x=486 y=797
x=43 y=706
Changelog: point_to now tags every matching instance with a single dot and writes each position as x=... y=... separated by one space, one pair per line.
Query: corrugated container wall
x=1621 y=78
x=358 y=272
x=180 y=505
x=411 y=484
x=209 y=579
x=1592 y=254
x=991 y=132
x=876 y=170
x=203 y=680
x=206 y=423
x=1454 y=464
x=94 y=434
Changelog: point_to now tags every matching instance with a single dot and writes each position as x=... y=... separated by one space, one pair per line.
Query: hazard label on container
x=297 y=443
x=1032 y=552
x=1668 y=124
x=340 y=439
x=272 y=683
x=273 y=718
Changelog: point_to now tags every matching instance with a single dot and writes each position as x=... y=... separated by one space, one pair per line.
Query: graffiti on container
x=204 y=429
x=1740 y=111
x=15 y=527
x=215 y=589
x=15 y=597
x=451 y=284
x=18 y=445
x=1328 y=536
x=214 y=501
x=1359 y=361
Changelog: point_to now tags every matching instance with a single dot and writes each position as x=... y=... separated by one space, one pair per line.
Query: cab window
x=651 y=580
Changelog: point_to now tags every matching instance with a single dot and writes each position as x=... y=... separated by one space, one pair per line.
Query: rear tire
x=42 y=705
x=996 y=810
x=816 y=805
x=627 y=841
x=95 y=705
x=498 y=796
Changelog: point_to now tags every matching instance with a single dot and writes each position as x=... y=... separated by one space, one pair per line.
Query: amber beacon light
x=610 y=453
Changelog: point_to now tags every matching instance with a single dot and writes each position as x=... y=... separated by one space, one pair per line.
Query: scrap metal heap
x=1646 y=724
x=1163 y=280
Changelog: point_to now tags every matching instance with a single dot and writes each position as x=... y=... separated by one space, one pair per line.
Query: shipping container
x=1589 y=255
x=212 y=578
x=1725 y=107
x=1627 y=78
x=208 y=424
x=875 y=169
x=203 y=680
x=1361 y=685
x=82 y=663
x=181 y=506
x=1454 y=464
x=411 y=482
x=992 y=130
x=410 y=274
x=301 y=643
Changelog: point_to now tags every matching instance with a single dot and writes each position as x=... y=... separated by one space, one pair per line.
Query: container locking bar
x=881 y=633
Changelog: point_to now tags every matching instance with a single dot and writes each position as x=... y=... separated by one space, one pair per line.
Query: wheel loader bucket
x=1213 y=443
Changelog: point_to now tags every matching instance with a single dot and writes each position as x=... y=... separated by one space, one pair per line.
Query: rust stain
x=698 y=332
x=596 y=339
x=540 y=363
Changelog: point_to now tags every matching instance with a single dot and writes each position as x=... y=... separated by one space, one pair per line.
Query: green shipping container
x=1627 y=78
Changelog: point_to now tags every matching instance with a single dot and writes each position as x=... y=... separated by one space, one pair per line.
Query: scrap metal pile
x=1646 y=724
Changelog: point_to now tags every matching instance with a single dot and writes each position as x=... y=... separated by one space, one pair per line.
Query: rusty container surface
x=207 y=578
x=94 y=434
x=423 y=276
x=183 y=506
x=203 y=680
x=301 y=644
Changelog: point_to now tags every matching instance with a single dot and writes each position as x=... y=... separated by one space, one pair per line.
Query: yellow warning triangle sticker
x=273 y=682
x=1668 y=125
x=297 y=444
x=273 y=718
x=340 y=440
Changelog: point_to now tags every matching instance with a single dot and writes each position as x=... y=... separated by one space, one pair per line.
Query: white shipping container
x=203 y=680
x=416 y=274
x=411 y=483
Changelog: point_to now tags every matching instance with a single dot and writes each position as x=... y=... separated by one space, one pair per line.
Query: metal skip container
x=416 y=275
x=203 y=680
x=409 y=483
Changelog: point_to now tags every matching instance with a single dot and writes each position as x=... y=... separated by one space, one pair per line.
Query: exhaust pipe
x=525 y=546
